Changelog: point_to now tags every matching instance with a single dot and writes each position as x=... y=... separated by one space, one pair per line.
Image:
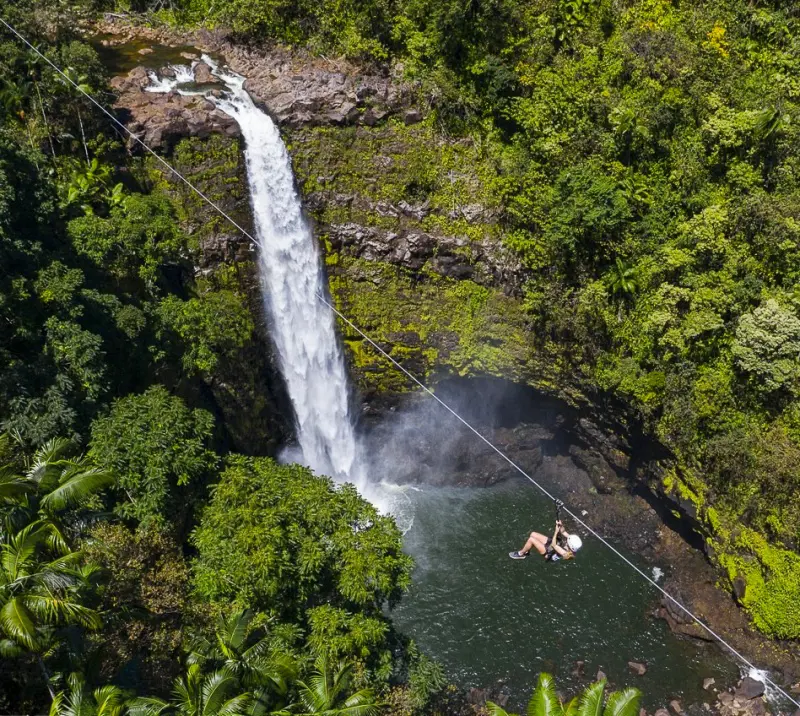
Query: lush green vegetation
x=146 y=567
x=643 y=159
x=545 y=701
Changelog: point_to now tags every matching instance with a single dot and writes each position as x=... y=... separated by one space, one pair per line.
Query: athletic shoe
x=517 y=555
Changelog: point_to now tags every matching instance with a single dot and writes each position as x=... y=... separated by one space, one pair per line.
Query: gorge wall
x=412 y=235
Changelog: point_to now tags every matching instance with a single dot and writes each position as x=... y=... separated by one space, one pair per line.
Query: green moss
x=431 y=324
x=772 y=578
x=214 y=166
x=390 y=164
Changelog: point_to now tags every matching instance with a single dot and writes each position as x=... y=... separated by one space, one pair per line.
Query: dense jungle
x=598 y=200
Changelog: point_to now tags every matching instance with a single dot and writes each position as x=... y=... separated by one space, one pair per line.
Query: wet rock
x=202 y=74
x=637 y=668
x=577 y=672
x=708 y=683
x=161 y=120
x=675 y=705
x=476 y=696
x=455 y=257
x=749 y=689
x=601 y=675
x=679 y=621
x=662 y=712
x=725 y=698
x=739 y=588
x=146 y=51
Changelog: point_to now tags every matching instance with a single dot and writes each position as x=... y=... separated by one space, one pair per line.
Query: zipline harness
x=558 y=504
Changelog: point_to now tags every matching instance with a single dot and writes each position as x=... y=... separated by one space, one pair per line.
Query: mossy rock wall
x=408 y=225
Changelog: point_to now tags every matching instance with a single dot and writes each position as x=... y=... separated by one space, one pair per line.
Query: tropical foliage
x=592 y=702
x=289 y=545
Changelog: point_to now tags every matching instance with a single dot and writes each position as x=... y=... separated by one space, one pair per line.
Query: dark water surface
x=486 y=617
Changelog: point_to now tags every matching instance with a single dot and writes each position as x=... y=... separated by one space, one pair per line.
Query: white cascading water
x=302 y=326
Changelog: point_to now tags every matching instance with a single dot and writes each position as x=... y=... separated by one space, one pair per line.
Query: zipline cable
x=558 y=503
x=127 y=131
x=408 y=374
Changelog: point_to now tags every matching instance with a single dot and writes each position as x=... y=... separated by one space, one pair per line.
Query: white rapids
x=302 y=327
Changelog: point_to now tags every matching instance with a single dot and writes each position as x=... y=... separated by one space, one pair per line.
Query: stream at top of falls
x=486 y=618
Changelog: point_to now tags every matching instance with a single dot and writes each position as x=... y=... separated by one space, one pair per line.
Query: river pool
x=487 y=618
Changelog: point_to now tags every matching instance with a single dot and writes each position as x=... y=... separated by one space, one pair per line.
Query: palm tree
x=622 y=279
x=545 y=701
x=38 y=593
x=245 y=653
x=80 y=701
x=53 y=483
x=326 y=693
x=215 y=694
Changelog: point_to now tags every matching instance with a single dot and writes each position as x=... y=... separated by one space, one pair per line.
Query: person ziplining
x=562 y=545
x=561 y=540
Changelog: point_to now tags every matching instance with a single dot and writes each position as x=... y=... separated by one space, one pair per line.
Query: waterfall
x=302 y=327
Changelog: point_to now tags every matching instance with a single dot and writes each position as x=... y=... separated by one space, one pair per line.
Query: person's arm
x=559 y=527
x=563 y=553
x=559 y=550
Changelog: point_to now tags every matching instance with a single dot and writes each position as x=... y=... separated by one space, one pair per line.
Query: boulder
x=412 y=116
x=476 y=696
x=203 y=76
x=725 y=698
x=662 y=712
x=749 y=689
x=578 y=670
x=637 y=668
x=708 y=683
x=601 y=675
x=676 y=707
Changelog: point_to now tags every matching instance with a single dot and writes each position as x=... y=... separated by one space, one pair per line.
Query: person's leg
x=536 y=541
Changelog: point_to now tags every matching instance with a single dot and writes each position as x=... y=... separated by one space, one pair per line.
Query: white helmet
x=574 y=543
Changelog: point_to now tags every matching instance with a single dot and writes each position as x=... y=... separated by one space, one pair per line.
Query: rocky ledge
x=161 y=120
x=296 y=89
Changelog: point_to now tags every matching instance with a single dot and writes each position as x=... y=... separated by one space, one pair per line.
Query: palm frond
x=495 y=710
x=361 y=703
x=77 y=489
x=236 y=628
x=147 y=706
x=110 y=701
x=55 y=610
x=12 y=486
x=9 y=649
x=57 y=704
x=591 y=701
x=18 y=623
x=623 y=703
x=216 y=687
x=571 y=709
x=544 y=701
x=237 y=706
x=47 y=462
